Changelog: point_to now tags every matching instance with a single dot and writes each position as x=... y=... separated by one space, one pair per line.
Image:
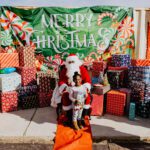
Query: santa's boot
x=59 y=111
x=75 y=125
x=80 y=124
x=69 y=118
x=85 y=114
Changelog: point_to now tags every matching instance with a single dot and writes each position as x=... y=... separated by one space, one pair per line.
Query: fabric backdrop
x=91 y=32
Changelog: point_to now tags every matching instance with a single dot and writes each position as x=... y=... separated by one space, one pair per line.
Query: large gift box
x=46 y=82
x=10 y=82
x=132 y=111
x=9 y=101
x=44 y=99
x=26 y=56
x=128 y=98
x=28 y=75
x=137 y=90
x=115 y=78
x=97 y=105
x=100 y=89
x=119 y=60
x=116 y=101
x=27 y=90
x=27 y=102
x=9 y=60
x=139 y=73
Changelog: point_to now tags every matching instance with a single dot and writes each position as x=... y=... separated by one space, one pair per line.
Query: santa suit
x=64 y=82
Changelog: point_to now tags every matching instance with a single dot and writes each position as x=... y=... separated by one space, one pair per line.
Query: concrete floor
x=41 y=122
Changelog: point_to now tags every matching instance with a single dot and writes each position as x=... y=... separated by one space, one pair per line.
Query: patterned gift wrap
x=9 y=60
x=116 y=78
x=27 y=90
x=28 y=75
x=8 y=101
x=140 y=62
x=44 y=99
x=116 y=101
x=143 y=109
x=119 y=60
x=137 y=90
x=46 y=82
x=132 y=111
x=100 y=89
x=98 y=67
x=10 y=82
x=26 y=56
x=97 y=105
x=128 y=98
x=125 y=73
x=139 y=73
x=27 y=102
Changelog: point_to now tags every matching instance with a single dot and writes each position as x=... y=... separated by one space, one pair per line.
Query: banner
x=92 y=32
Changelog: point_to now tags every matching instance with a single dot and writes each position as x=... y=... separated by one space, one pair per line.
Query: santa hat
x=73 y=57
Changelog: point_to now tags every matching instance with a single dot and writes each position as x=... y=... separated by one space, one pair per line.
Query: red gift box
x=97 y=105
x=28 y=75
x=9 y=101
x=26 y=56
x=116 y=101
x=97 y=67
x=44 y=99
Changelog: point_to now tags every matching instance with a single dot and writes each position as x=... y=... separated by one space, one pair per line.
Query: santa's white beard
x=71 y=69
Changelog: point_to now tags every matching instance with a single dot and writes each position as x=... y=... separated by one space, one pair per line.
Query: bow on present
x=10 y=21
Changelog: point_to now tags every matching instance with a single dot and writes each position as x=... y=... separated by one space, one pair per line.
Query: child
x=77 y=95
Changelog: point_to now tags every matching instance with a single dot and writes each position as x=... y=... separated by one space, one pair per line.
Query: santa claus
x=60 y=95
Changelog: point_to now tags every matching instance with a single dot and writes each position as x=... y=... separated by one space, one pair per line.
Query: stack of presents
x=122 y=87
x=21 y=86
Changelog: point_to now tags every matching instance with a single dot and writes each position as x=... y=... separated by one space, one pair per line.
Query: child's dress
x=77 y=93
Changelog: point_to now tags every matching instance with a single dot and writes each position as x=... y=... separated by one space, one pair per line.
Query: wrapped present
x=128 y=98
x=115 y=78
x=137 y=90
x=97 y=105
x=27 y=102
x=10 y=82
x=139 y=73
x=119 y=60
x=9 y=60
x=46 y=82
x=140 y=62
x=28 y=75
x=9 y=101
x=147 y=92
x=95 y=80
x=98 y=67
x=100 y=89
x=44 y=99
x=143 y=109
x=116 y=101
x=27 y=90
x=26 y=56
x=132 y=111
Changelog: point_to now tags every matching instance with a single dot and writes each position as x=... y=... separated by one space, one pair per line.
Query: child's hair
x=75 y=75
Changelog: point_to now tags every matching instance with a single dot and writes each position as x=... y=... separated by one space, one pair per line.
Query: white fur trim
x=62 y=87
x=87 y=106
x=87 y=85
x=56 y=97
x=67 y=107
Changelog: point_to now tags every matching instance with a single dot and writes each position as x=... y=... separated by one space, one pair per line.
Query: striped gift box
x=140 y=62
x=116 y=101
x=9 y=60
x=26 y=56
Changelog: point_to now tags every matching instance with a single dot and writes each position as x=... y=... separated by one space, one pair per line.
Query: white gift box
x=10 y=82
